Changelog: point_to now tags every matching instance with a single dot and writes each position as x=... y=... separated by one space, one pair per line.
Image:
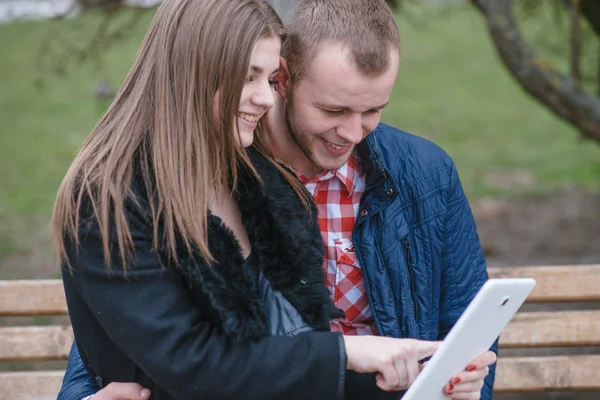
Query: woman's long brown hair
x=162 y=121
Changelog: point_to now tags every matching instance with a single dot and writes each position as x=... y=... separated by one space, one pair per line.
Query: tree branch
x=591 y=11
x=57 y=61
x=555 y=90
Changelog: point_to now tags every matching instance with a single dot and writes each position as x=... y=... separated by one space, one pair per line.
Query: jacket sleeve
x=464 y=270
x=149 y=315
x=364 y=387
x=76 y=384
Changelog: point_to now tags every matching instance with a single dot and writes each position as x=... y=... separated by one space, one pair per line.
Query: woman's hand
x=396 y=360
x=467 y=385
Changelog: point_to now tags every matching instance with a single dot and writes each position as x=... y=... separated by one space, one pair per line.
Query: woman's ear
x=283 y=78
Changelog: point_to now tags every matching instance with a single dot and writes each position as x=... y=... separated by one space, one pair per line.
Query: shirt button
x=364 y=213
x=390 y=192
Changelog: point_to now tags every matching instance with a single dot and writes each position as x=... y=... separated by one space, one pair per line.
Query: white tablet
x=472 y=335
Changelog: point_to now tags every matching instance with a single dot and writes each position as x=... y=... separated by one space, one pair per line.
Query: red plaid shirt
x=337 y=194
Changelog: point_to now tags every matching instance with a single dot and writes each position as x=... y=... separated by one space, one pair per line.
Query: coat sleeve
x=360 y=386
x=464 y=270
x=76 y=384
x=149 y=316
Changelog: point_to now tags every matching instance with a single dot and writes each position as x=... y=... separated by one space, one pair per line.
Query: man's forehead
x=330 y=57
x=333 y=80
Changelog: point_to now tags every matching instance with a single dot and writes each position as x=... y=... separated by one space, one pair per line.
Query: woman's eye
x=250 y=79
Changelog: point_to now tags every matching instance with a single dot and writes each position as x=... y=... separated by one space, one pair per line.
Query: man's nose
x=351 y=129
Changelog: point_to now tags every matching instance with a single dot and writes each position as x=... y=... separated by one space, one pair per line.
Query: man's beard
x=303 y=141
x=300 y=140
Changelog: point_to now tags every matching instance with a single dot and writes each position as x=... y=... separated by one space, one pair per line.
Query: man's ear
x=283 y=78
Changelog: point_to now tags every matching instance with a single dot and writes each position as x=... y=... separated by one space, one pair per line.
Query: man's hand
x=122 y=391
x=467 y=385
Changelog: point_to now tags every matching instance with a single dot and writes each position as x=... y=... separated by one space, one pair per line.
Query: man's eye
x=334 y=112
x=273 y=82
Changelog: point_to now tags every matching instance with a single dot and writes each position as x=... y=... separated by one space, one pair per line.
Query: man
x=403 y=258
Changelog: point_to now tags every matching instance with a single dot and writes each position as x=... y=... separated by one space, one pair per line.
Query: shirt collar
x=348 y=174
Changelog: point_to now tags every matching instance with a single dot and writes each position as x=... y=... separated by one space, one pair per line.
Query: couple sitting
x=240 y=225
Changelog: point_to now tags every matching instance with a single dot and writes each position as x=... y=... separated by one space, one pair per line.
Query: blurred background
x=511 y=91
x=525 y=138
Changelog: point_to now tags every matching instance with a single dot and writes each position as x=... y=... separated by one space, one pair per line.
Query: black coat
x=202 y=332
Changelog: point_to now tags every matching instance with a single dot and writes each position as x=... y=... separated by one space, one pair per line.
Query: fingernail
x=456 y=380
x=450 y=388
x=471 y=368
x=145 y=392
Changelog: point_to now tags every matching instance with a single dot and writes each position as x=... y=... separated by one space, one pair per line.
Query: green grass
x=43 y=127
x=451 y=88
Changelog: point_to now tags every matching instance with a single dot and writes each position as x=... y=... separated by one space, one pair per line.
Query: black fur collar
x=286 y=246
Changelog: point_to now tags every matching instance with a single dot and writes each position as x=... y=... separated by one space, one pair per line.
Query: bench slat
x=35 y=343
x=536 y=374
x=561 y=283
x=519 y=374
x=550 y=329
x=32 y=297
x=30 y=385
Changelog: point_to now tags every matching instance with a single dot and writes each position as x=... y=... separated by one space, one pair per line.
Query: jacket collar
x=381 y=187
x=286 y=247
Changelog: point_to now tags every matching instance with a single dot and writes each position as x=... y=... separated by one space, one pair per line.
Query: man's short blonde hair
x=366 y=28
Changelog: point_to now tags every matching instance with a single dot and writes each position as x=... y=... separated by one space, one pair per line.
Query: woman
x=190 y=265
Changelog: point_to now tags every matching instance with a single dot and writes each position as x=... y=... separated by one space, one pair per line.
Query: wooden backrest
x=30 y=298
x=580 y=283
x=548 y=329
x=573 y=283
x=33 y=343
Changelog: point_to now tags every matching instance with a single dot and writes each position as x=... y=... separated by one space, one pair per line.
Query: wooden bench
x=569 y=330
x=539 y=329
x=18 y=344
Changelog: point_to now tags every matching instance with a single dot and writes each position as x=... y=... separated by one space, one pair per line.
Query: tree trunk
x=556 y=91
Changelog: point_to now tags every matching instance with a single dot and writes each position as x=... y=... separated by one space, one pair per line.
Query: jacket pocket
x=349 y=292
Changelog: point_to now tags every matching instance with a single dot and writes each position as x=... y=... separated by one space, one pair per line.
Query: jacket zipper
x=411 y=274
x=379 y=182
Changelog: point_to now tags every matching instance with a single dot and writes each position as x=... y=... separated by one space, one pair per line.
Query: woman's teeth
x=248 y=117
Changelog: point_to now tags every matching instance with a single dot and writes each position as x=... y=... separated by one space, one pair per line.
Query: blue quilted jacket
x=415 y=238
